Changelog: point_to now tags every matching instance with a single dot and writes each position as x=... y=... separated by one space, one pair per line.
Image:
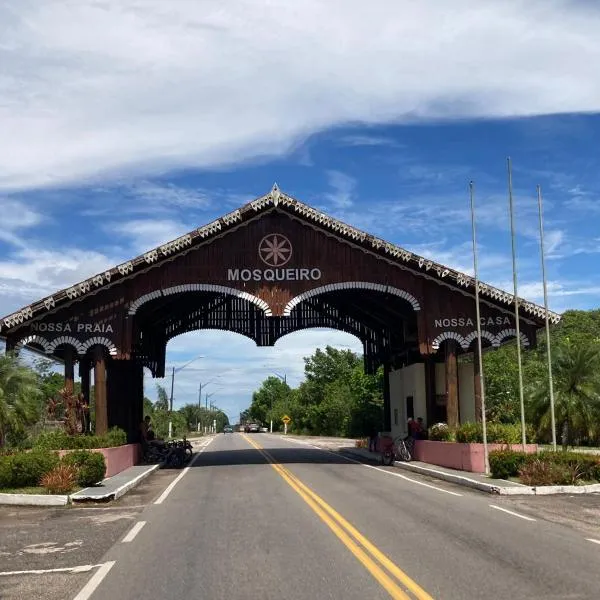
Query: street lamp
x=176 y=370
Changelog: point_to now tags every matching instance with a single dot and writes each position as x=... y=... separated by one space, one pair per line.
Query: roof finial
x=275 y=194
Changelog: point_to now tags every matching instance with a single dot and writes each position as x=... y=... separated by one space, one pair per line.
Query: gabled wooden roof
x=275 y=199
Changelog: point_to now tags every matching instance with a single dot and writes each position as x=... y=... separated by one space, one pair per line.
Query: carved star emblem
x=275 y=250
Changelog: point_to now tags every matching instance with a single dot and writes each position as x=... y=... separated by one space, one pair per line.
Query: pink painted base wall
x=464 y=457
x=117 y=459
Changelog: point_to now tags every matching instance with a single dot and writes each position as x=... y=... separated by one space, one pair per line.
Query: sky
x=126 y=124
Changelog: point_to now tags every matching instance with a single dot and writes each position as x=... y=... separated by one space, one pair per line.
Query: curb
x=60 y=500
x=490 y=488
x=33 y=500
x=120 y=491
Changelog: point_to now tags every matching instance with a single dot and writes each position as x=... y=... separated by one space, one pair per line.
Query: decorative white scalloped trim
x=350 y=285
x=69 y=341
x=484 y=334
x=199 y=287
x=465 y=342
x=34 y=339
x=274 y=198
x=507 y=333
x=449 y=335
x=100 y=341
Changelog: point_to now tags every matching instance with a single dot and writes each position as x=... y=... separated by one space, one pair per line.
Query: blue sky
x=126 y=128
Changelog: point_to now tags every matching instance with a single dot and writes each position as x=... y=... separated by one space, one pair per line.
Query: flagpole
x=548 y=347
x=516 y=298
x=479 y=348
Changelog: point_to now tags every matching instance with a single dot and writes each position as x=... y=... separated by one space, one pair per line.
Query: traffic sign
x=286 y=419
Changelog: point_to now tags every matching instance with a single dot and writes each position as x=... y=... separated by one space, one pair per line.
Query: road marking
x=133 y=532
x=510 y=512
x=181 y=475
x=593 y=540
x=427 y=485
x=76 y=569
x=90 y=587
x=358 y=462
x=350 y=536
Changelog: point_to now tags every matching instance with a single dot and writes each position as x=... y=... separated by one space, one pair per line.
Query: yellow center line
x=341 y=527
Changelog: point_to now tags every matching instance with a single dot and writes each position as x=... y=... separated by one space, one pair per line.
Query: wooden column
x=430 y=391
x=10 y=345
x=100 y=391
x=477 y=384
x=69 y=369
x=84 y=373
x=387 y=405
x=451 y=384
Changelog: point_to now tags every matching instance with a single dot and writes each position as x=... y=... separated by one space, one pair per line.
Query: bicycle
x=399 y=448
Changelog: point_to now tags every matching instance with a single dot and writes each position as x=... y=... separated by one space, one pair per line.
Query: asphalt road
x=259 y=516
x=315 y=525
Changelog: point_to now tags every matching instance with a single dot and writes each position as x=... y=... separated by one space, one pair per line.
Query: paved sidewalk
x=478 y=481
x=117 y=485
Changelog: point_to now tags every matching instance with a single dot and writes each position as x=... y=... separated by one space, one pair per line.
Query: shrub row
x=59 y=440
x=28 y=469
x=545 y=468
x=472 y=433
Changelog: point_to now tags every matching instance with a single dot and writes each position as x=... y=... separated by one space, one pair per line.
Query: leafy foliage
x=58 y=439
x=336 y=398
x=90 y=467
x=545 y=468
x=25 y=469
x=60 y=480
x=441 y=432
x=576 y=376
x=506 y=463
x=20 y=398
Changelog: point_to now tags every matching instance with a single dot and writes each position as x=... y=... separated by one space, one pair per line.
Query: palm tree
x=20 y=396
x=576 y=376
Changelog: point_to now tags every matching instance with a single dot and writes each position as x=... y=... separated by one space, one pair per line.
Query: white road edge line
x=76 y=569
x=428 y=485
x=179 y=477
x=593 y=540
x=510 y=512
x=90 y=587
x=133 y=532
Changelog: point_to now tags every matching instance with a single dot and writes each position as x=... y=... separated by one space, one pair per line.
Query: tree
x=576 y=377
x=162 y=403
x=269 y=401
x=20 y=398
x=336 y=397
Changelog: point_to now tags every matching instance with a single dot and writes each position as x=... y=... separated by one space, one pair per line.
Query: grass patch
x=24 y=490
x=33 y=490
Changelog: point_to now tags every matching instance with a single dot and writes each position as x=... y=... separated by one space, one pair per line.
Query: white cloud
x=367 y=140
x=16 y=217
x=30 y=273
x=125 y=86
x=343 y=189
x=144 y=234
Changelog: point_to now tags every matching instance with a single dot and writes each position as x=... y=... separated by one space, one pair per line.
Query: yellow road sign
x=286 y=419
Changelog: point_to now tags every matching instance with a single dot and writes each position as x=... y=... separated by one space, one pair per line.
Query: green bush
x=59 y=440
x=547 y=472
x=506 y=463
x=115 y=437
x=504 y=433
x=587 y=465
x=441 y=432
x=25 y=469
x=90 y=466
x=469 y=433
x=6 y=471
